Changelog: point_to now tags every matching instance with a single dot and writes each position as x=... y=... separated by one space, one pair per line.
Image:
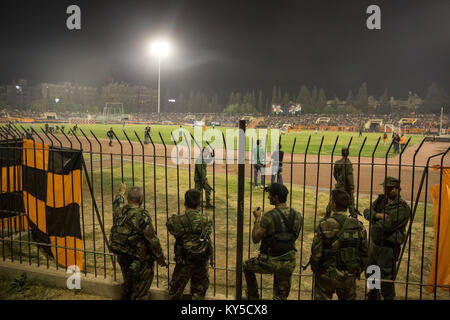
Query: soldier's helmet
x=345 y=152
x=391 y=182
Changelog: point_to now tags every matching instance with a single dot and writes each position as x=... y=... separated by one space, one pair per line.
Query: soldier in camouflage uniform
x=389 y=214
x=200 y=179
x=142 y=246
x=193 y=248
x=339 y=251
x=343 y=173
x=277 y=230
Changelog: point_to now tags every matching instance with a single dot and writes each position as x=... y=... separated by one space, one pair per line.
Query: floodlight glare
x=160 y=48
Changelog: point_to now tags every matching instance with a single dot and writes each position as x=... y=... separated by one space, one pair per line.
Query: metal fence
x=309 y=178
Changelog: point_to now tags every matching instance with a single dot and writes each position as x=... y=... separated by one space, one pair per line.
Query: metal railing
x=307 y=177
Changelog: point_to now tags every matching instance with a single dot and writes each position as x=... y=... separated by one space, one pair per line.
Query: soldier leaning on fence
x=389 y=215
x=338 y=252
x=343 y=173
x=134 y=241
x=193 y=248
x=277 y=230
x=201 y=181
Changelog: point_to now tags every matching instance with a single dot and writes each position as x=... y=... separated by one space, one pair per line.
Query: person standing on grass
x=110 y=135
x=343 y=173
x=396 y=143
x=147 y=134
x=201 y=180
x=277 y=230
x=135 y=242
x=402 y=143
x=258 y=164
x=339 y=251
x=388 y=215
x=385 y=138
x=277 y=165
x=193 y=248
x=180 y=133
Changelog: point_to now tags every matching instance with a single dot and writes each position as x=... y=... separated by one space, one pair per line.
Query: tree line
x=312 y=100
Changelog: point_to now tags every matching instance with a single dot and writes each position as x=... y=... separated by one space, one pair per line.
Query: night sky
x=220 y=46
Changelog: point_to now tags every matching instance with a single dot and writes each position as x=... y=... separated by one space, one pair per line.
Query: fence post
x=240 y=209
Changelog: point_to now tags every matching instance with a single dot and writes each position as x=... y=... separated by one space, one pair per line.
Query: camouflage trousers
x=327 y=283
x=137 y=277
x=199 y=186
x=197 y=272
x=281 y=267
x=386 y=258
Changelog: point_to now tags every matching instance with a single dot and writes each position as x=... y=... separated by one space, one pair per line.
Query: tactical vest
x=343 y=249
x=280 y=242
x=124 y=237
x=193 y=245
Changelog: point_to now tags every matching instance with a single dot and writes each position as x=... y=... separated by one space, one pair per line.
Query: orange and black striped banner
x=45 y=184
x=11 y=202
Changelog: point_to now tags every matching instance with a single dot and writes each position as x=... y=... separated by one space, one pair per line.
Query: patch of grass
x=162 y=205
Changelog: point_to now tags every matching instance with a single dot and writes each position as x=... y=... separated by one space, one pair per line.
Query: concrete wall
x=98 y=286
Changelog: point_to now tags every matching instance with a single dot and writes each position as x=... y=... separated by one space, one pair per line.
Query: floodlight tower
x=159 y=48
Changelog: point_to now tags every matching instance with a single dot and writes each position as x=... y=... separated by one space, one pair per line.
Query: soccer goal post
x=113 y=112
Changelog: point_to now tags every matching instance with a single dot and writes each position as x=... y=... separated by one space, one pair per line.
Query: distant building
x=337 y=104
x=136 y=98
x=66 y=92
x=412 y=104
x=20 y=95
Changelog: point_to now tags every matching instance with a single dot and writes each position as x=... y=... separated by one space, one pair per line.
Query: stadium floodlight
x=159 y=48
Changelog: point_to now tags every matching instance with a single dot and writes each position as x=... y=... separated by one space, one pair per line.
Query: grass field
x=162 y=204
x=287 y=140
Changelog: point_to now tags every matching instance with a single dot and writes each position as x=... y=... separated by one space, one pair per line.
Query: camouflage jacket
x=267 y=222
x=143 y=223
x=343 y=173
x=192 y=231
x=326 y=245
x=392 y=229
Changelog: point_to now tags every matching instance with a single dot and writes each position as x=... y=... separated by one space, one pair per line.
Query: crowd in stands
x=423 y=121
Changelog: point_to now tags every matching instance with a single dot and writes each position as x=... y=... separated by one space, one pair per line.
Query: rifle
x=307 y=265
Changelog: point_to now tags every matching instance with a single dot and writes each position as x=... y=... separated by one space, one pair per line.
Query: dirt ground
x=36 y=290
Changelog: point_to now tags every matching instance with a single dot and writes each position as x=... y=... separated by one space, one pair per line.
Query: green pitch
x=287 y=140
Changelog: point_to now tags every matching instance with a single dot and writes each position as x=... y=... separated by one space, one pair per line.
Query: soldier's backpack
x=348 y=243
x=193 y=245
x=282 y=241
x=124 y=234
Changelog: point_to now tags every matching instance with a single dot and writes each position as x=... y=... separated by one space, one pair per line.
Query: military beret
x=391 y=182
